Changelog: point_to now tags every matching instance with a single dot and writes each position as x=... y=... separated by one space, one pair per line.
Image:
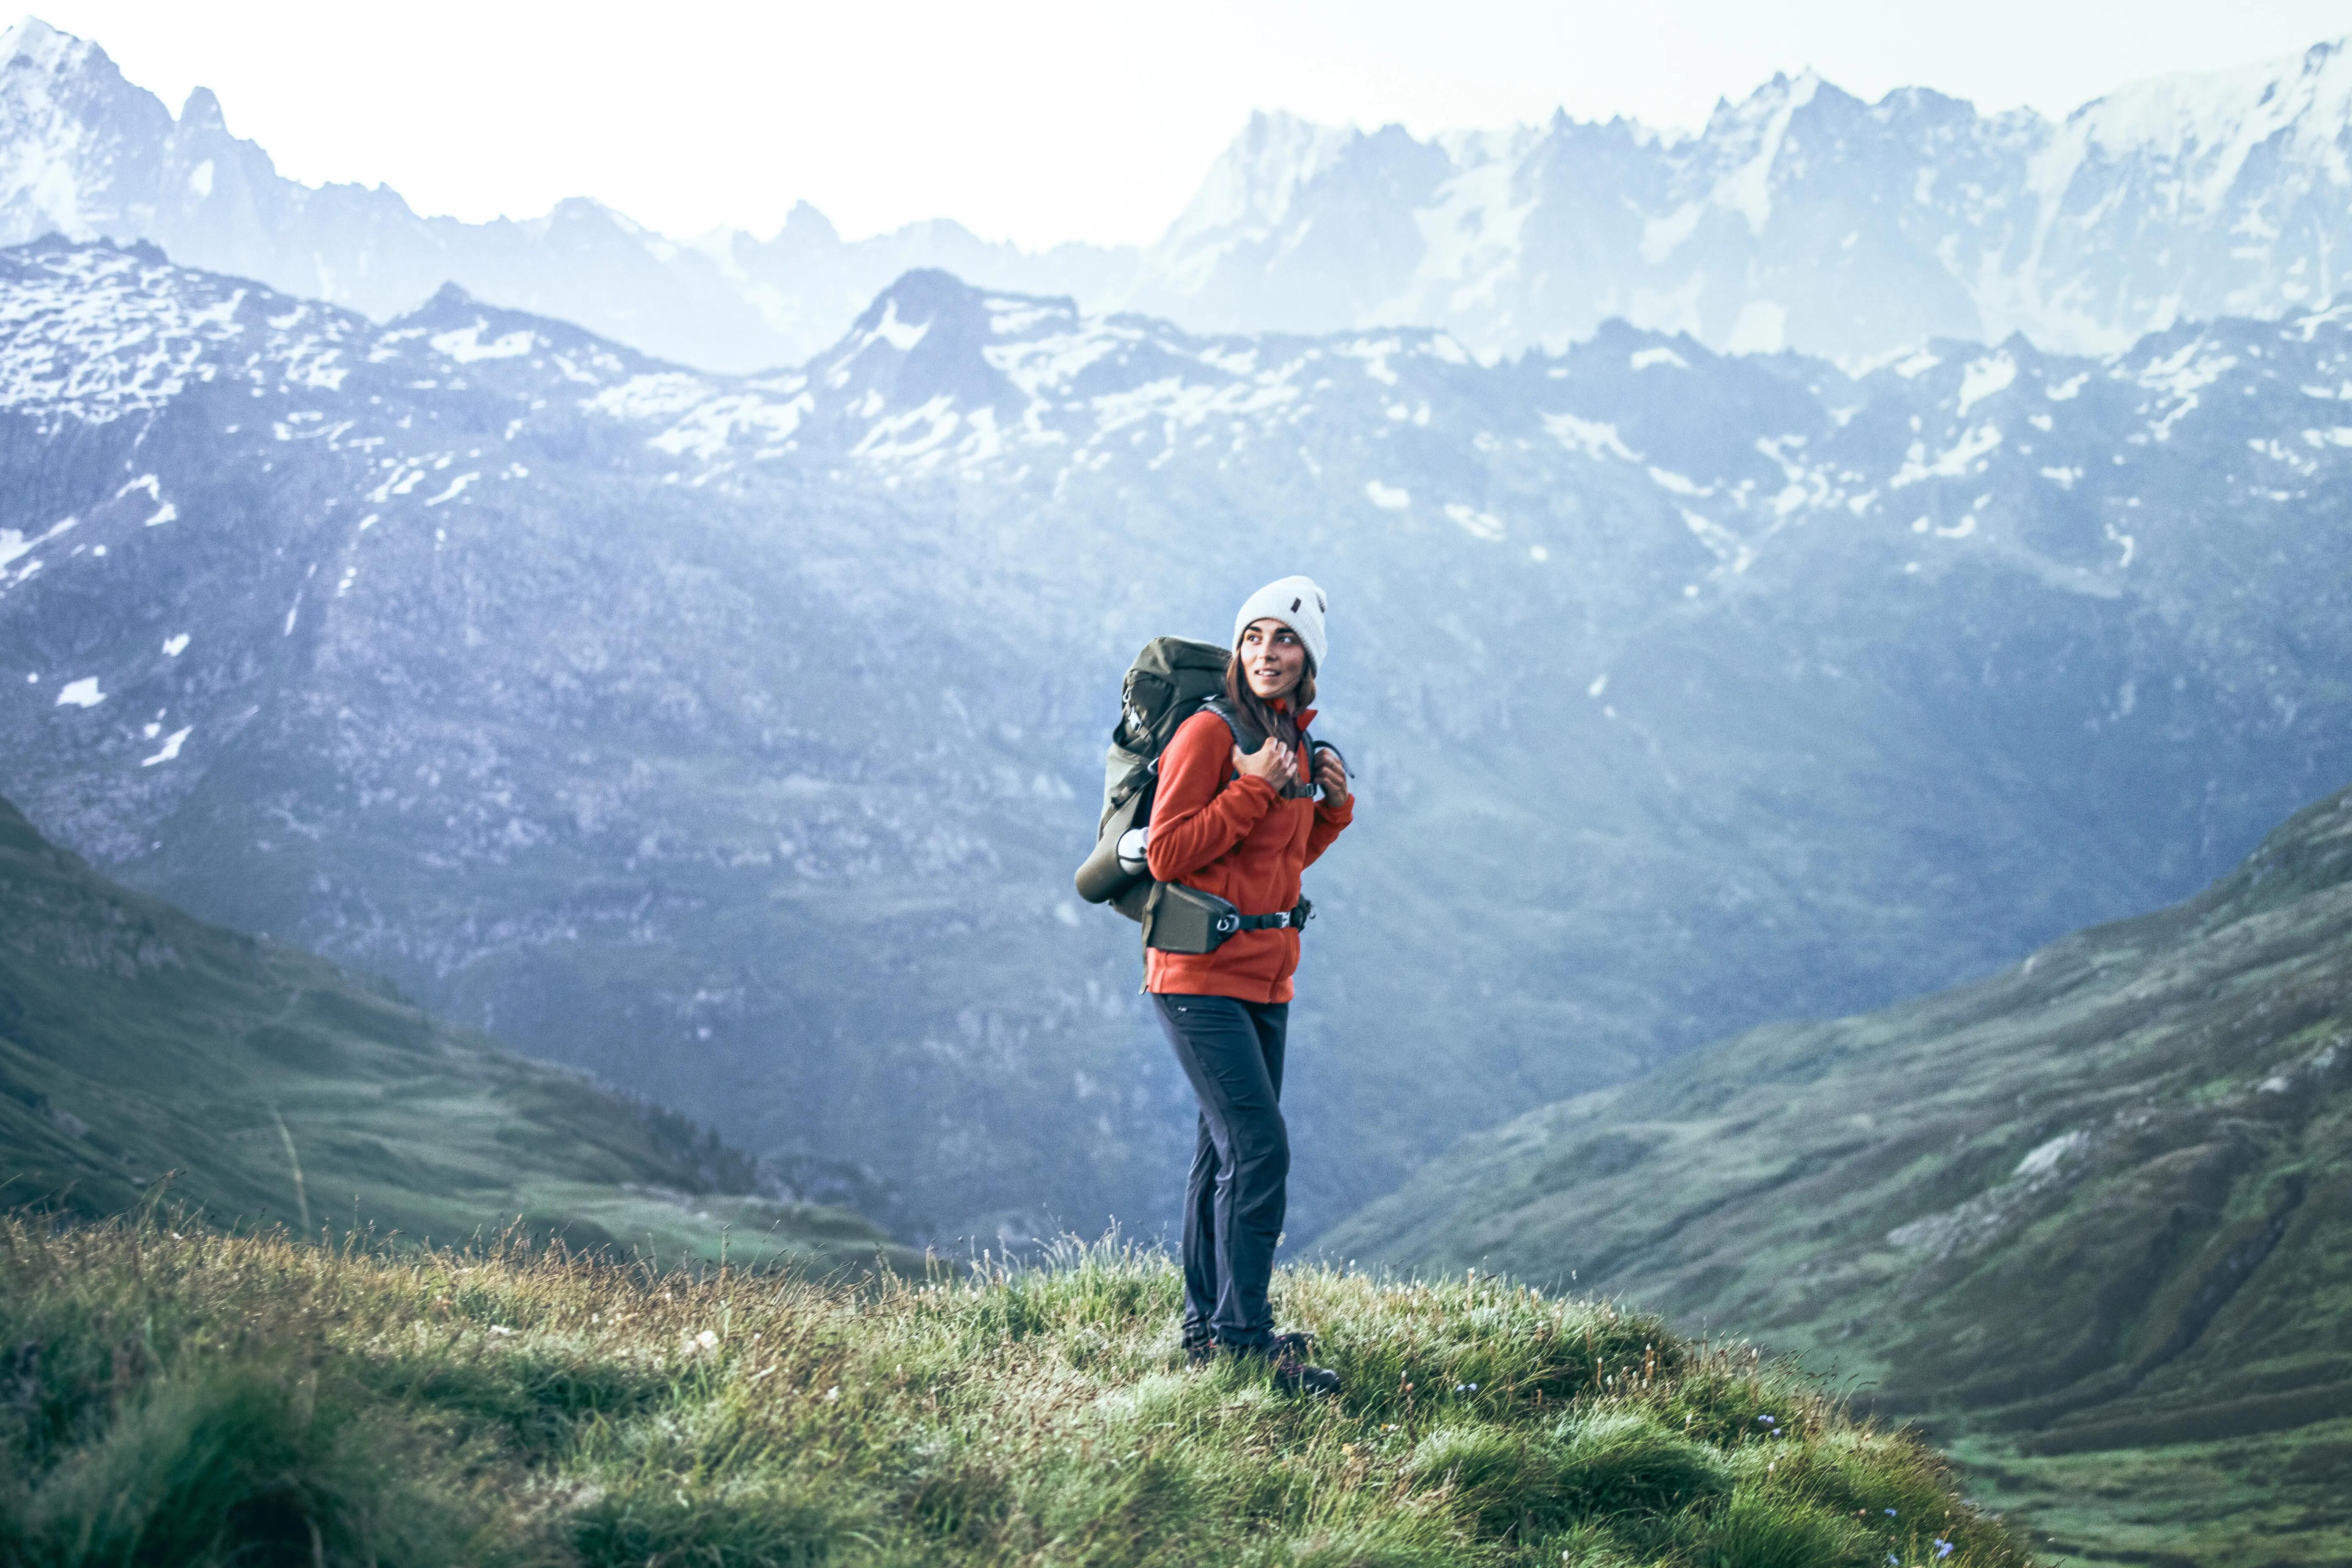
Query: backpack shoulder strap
x=1249 y=738
x=1223 y=710
x=1245 y=734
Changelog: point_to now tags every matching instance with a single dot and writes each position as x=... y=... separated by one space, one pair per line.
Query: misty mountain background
x=734 y=734
x=1800 y=218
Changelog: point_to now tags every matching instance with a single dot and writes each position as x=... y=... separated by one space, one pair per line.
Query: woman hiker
x=1244 y=827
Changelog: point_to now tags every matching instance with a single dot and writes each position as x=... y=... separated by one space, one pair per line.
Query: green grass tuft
x=195 y=1398
x=1630 y=1462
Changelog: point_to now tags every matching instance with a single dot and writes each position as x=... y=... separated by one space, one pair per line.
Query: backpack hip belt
x=1178 y=919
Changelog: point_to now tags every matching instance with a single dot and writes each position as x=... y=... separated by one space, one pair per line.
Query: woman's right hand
x=1271 y=763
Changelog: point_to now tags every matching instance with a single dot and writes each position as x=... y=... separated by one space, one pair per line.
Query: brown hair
x=1280 y=725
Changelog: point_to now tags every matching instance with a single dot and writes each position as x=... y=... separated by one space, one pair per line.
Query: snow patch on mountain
x=465 y=344
x=82 y=693
x=1594 y=437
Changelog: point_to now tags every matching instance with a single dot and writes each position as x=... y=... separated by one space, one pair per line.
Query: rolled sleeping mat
x=1106 y=873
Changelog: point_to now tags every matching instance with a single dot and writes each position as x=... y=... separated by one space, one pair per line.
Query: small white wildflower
x=833 y=1394
x=706 y=1339
x=500 y=1329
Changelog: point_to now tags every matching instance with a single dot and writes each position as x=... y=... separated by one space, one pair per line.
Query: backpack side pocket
x=1178 y=919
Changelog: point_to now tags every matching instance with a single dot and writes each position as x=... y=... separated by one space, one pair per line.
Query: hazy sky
x=1051 y=120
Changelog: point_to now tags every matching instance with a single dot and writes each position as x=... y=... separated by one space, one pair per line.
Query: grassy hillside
x=2092 y=1213
x=200 y=1400
x=272 y=1087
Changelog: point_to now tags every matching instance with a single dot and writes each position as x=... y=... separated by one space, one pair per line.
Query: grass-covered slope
x=205 y=1400
x=2097 y=1202
x=136 y=1042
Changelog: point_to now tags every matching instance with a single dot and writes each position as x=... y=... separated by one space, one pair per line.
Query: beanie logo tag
x=1294 y=605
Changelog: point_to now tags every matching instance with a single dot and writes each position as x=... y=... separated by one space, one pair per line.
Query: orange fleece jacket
x=1235 y=836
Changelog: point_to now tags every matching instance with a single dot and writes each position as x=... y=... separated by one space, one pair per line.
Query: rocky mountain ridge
x=85 y=153
x=2088 y=1211
x=735 y=737
x=1800 y=218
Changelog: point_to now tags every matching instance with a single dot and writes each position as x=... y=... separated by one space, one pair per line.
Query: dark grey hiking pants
x=1231 y=1050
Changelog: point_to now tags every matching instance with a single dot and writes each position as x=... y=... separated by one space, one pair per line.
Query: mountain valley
x=734 y=738
x=2088 y=1213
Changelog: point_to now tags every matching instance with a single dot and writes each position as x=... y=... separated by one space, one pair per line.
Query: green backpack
x=1171 y=679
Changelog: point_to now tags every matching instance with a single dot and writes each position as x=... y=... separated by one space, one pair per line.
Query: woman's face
x=1272 y=658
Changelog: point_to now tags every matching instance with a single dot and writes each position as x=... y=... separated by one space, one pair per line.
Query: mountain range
x=1775 y=572
x=2090 y=1211
x=735 y=737
x=1800 y=217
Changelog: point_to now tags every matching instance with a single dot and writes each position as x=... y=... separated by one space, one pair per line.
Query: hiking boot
x=1200 y=1346
x=1300 y=1377
x=1286 y=1360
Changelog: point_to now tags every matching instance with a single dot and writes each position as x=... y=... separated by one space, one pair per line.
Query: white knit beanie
x=1296 y=603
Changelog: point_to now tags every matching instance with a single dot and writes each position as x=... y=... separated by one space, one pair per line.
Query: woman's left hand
x=1331 y=772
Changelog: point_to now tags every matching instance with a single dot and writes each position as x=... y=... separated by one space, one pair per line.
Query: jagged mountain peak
x=31 y=37
x=449 y=297
x=805 y=224
x=1255 y=179
x=53 y=83
x=932 y=341
x=489 y=343
x=203 y=112
x=2289 y=114
x=1782 y=93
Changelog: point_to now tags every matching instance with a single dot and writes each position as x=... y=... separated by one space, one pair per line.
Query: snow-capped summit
x=86 y=153
x=79 y=145
x=1799 y=216
x=2213 y=120
x=1252 y=184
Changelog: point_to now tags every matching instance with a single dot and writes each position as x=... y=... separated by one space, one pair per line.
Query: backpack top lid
x=1166 y=685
